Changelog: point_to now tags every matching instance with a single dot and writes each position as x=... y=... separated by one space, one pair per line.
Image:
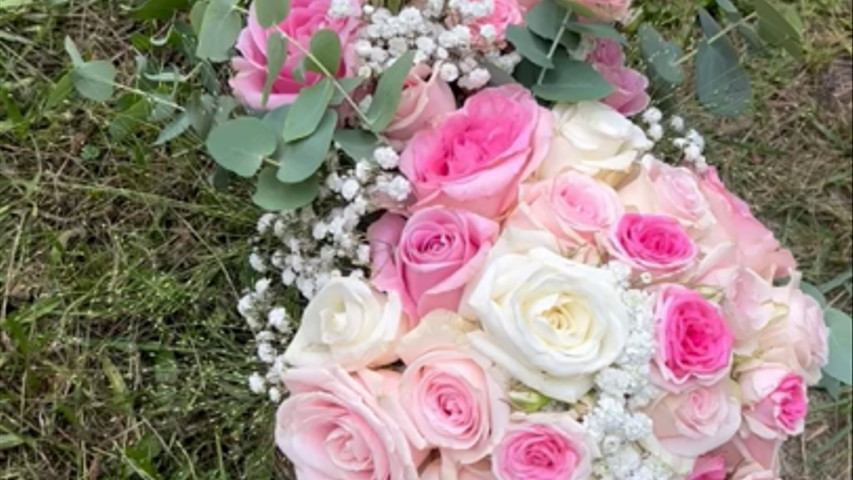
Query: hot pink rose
x=430 y=258
x=695 y=422
x=476 y=157
x=607 y=10
x=544 y=447
x=334 y=427
x=775 y=401
x=694 y=344
x=759 y=249
x=656 y=244
x=504 y=13
x=305 y=18
x=425 y=99
x=479 y=471
x=709 y=467
x=573 y=207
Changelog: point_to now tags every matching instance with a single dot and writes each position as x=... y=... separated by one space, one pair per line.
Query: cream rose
x=550 y=322
x=594 y=139
x=348 y=324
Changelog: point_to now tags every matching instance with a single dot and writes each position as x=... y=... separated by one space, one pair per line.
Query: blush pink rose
x=607 y=10
x=709 y=467
x=656 y=244
x=775 y=401
x=544 y=447
x=334 y=426
x=695 y=422
x=504 y=13
x=573 y=207
x=476 y=157
x=753 y=471
x=305 y=18
x=759 y=249
x=478 y=471
x=694 y=344
x=607 y=52
x=424 y=100
x=629 y=97
x=746 y=448
x=429 y=258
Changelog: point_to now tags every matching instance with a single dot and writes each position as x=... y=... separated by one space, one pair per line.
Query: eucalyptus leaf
x=73 y=52
x=348 y=84
x=172 y=130
x=840 y=365
x=129 y=119
x=326 y=49
x=271 y=12
x=197 y=15
x=274 y=119
x=158 y=9
x=722 y=85
x=662 y=56
x=572 y=81
x=270 y=194
x=307 y=111
x=358 y=144
x=241 y=144
x=546 y=20
x=299 y=160
x=831 y=385
x=220 y=26
x=201 y=110
x=220 y=178
x=276 y=56
x=225 y=104
x=94 y=80
x=780 y=26
x=814 y=292
x=162 y=109
x=386 y=98
x=529 y=45
x=598 y=30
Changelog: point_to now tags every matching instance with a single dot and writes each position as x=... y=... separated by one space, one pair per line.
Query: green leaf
x=300 y=159
x=129 y=119
x=497 y=75
x=597 y=30
x=241 y=144
x=60 y=91
x=197 y=15
x=326 y=48
x=73 y=52
x=220 y=26
x=386 y=98
x=201 y=110
x=220 y=178
x=172 y=130
x=841 y=279
x=722 y=86
x=661 y=55
x=275 y=119
x=225 y=105
x=10 y=440
x=814 y=292
x=579 y=8
x=782 y=28
x=307 y=111
x=94 y=80
x=831 y=385
x=271 y=12
x=348 y=84
x=358 y=144
x=529 y=45
x=572 y=81
x=545 y=19
x=840 y=365
x=158 y=9
x=270 y=194
x=276 y=56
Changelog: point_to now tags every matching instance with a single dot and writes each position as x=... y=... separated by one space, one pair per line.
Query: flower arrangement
x=504 y=276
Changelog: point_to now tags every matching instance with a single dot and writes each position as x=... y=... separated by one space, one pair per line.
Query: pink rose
x=774 y=401
x=607 y=10
x=503 y=14
x=607 y=52
x=759 y=249
x=656 y=244
x=479 y=471
x=334 y=426
x=629 y=97
x=454 y=397
x=573 y=207
x=528 y=4
x=305 y=18
x=430 y=258
x=425 y=99
x=709 y=467
x=754 y=471
x=476 y=157
x=695 y=422
x=694 y=344
x=544 y=447
x=746 y=448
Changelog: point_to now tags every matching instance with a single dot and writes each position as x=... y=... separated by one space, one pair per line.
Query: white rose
x=594 y=139
x=349 y=324
x=550 y=322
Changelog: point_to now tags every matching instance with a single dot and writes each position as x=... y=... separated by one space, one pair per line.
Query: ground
x=121 y=353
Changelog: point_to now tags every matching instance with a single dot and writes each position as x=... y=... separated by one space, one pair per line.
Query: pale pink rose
x=607 y=52
x=305 y=18
x=335 y=426
x=800 y=340
x=663 y=189
x=425 y=99
x=774 y=401
x=746 y=448
x=754 y=471
x=454 y=397
x=695 y=422
x=476 y=157
x=607 y=10
x=759 y=249
x=528 y=4
x=429 y=258
x=573 y=207
x=544 y=447
x=629 y=97
x=694 y=344
x=478 y=471
x=504 y=13
x=654 y=244
x=709 y=467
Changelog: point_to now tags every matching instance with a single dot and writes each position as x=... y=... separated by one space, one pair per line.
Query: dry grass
x=121 y=355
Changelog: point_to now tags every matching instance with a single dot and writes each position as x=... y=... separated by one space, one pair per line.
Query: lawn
x=121 y=352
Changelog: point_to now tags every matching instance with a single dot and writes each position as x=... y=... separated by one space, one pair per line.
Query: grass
x=121 y=353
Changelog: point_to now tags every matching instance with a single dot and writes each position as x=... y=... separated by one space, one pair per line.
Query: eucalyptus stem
x=721 y=34
x=148 y=95
x=554 y=44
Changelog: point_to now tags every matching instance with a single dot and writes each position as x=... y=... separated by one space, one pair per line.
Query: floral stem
x=554 y=44
x=721 y=34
